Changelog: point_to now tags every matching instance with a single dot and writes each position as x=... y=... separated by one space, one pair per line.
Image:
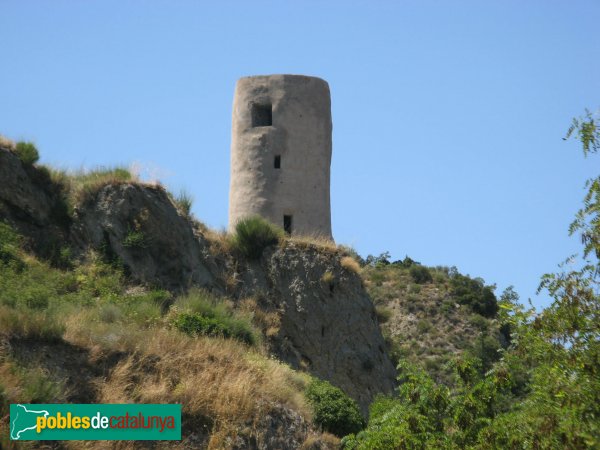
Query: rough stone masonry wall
x=300 y=134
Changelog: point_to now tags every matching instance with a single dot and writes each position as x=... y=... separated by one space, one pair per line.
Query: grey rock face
x=328 y=324
x=32 y=204
x=141 y=226
x=282 y=428
x=281 y=152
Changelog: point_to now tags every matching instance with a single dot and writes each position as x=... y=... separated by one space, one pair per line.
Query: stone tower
x=281 y=153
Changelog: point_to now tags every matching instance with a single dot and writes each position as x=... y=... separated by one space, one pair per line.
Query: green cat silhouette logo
x=24 y=420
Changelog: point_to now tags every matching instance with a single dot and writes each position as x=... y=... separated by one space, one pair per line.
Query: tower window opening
x=277 y=162
x=262 y=115
x=287 y=224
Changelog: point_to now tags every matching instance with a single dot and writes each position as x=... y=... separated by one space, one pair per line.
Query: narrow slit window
x=287 y=224
x=277 y=162
x=262 y=115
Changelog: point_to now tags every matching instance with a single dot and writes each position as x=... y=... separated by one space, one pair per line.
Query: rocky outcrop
x=326 y=321
x=140 y=225
x=328 y=324
x=31 y=203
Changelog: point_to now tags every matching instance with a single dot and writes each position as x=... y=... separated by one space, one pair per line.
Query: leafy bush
x=253 y=235
x=420 y=274
x=203 y=314
x=378 y=261
x=334 y=411
x=27 y=152
x=134 y=239
x=406 y=262
x=197 y=324
x=474 y=293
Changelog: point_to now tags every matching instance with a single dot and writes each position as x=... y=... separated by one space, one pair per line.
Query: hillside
x=111 y=292
x=430 y=315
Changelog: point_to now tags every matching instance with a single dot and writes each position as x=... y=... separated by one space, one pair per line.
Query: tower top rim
x=282 y=75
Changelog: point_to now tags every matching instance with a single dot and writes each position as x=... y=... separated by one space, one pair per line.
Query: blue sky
x=448 y=116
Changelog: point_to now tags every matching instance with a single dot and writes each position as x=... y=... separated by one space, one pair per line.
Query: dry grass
x=350 y=264
x=217 y=378
x=315 y=441
x=20 y=324
x=268 y=321
x=212 y=378
x=220 y=243
x=7 y=143
x=320 y=242
x=327 y=278
x=82 y=184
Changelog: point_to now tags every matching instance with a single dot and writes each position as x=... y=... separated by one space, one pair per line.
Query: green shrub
x=420 y=274
x=253 y=235
x=134 y=239
x=474 y=293
x=27 y=152
x=201 y=313
x=333 y=410
x=197 y=324
x=383 y=314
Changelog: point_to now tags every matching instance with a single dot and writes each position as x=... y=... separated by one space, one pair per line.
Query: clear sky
x=448 y=115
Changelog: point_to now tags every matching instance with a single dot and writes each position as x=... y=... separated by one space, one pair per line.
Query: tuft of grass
x=200 y=313
x=134 y=239
x=184 y=202
x=21 y=323
x=253 y=235
x=27 y=152
x=84 y=184
x=320 y=242
x=328 y=278
x=350 y=264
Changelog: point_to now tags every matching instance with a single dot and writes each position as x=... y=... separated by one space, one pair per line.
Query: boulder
x=140 y=225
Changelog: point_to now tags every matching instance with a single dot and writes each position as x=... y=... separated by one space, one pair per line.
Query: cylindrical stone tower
x=281 y=153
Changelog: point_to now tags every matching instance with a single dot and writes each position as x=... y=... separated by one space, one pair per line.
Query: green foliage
x=253 y=235
x=407 y=262
x=197 y=324
x=184 y=202
x=383 y=314
x=416 y=418
x=420 y=274
x=474 y=293
x=333 y=410
x=27 y=152
x=544 y=390
x=378 y=261
x=199 y=313
x=78 y=186
x=9 y=246
x=134 y=239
